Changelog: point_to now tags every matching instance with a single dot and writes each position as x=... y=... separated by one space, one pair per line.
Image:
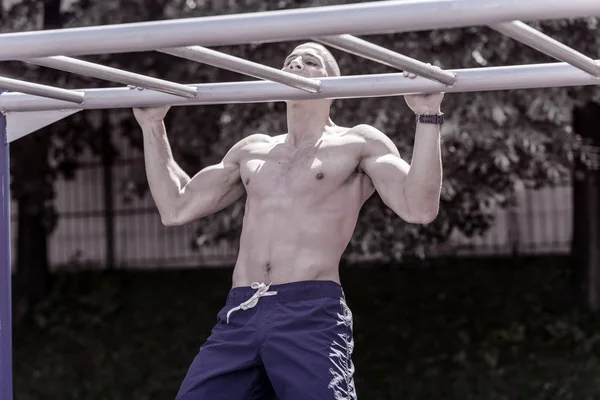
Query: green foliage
x=484 y=329
x=493 y=143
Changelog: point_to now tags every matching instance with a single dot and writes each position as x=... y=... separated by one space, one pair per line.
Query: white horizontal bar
x=468 y=80
x=113 y=74
x=41 y=90
x=547 y=45
x=382 y=55
x=357 y=19
x=226 y=61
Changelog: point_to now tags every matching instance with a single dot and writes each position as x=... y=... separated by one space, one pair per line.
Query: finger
x=405 y=73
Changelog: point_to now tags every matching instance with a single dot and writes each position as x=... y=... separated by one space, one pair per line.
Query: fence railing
x=540 y=223
x=99 y=226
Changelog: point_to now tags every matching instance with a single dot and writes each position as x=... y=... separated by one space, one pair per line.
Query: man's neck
x=306 y=121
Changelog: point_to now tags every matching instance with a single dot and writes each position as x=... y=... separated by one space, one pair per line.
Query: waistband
x=289 y=292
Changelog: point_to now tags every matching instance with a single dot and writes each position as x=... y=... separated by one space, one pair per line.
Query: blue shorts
x=293 y=341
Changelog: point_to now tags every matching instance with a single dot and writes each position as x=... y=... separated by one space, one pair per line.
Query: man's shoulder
x=369 y=135
x=366 y=132
x=257 y=138
x=374 y=140
x=253 y=140
x=247 y=144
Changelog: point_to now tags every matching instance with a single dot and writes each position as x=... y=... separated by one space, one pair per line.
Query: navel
x=247 y=181
x=320 y=176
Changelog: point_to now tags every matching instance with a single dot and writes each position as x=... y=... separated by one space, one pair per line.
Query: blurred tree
x=585 y=249
x=34 y=192
x=493 y=143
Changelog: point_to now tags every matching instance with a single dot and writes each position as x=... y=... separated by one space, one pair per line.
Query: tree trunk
x=32 y=272
x=108 y=157
x=32 y=280
x=586 y=207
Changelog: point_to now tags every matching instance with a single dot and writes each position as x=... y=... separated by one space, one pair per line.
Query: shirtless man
x=286 y=329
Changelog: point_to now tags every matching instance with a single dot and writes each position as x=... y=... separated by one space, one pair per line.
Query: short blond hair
x=331 y=64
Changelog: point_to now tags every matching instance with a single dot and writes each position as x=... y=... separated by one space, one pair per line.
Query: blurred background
x=496 y=299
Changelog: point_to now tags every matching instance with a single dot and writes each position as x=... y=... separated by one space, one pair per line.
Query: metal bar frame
x=543 y=43
x=41 y=90
x=362 y=48
x=99 y=71
x=295 y=24
x=232 y=63
x=282 y=25
x=376 y=85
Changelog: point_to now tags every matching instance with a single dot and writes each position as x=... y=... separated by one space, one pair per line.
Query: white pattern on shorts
x=342 y=383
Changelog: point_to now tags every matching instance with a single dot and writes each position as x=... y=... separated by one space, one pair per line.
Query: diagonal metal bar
x=362 y=48
x=113 y=74
x=359 y=86
x=41 y=90
x=364 y=18
x=547 y=45
x=232 y=63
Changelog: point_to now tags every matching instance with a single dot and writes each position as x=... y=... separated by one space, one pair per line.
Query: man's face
x=307 y=62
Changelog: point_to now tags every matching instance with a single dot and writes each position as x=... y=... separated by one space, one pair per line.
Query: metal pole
x=41 y=90
x=362 y=48
x=221 y=60
x=547 y=45
x=377 y=85
x=113 y=74
x=357 y=19
x=6 y=388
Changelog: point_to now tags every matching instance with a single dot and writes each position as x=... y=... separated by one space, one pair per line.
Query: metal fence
x=540 y=224
x=100 y=227
x=100 y=224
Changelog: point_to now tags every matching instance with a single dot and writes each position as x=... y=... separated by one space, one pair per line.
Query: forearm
x=165 y=177
x=424 y=180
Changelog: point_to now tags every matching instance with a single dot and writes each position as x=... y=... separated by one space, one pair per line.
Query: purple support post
x=6 y=387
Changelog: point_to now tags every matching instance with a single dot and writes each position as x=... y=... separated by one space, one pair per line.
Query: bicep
x=215 y=187
x=387 y=171
x=209 y=191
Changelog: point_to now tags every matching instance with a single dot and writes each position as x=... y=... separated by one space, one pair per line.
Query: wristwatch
x=437 y=119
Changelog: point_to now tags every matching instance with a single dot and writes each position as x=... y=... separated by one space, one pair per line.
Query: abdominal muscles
x=286 y=239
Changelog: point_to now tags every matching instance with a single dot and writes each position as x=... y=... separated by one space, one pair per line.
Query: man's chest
x=313 y=171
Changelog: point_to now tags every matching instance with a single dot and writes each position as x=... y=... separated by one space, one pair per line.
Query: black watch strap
x=437 y=119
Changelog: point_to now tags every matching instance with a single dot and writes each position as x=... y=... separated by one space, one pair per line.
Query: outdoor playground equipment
x=31 y=106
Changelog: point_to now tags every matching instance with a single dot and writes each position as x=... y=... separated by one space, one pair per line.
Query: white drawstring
x=261 y=290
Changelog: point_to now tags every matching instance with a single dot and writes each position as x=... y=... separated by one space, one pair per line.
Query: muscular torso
x=302 y=205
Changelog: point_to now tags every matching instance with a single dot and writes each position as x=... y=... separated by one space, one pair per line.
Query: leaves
x=492 y=141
